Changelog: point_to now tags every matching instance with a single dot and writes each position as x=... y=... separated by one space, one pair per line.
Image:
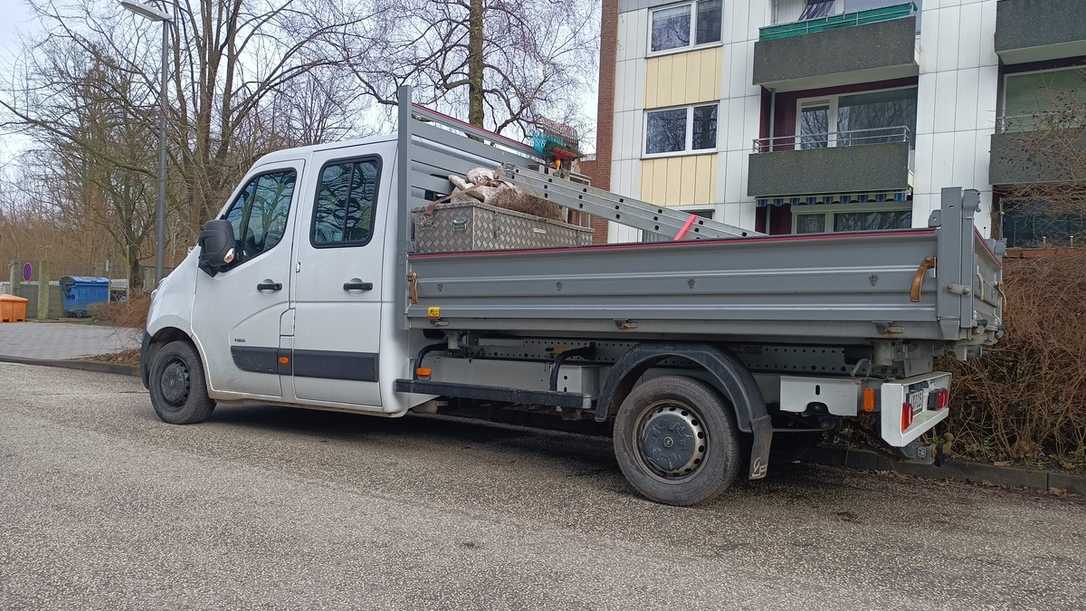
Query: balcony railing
x=855 y=137
x=1041 y=121
x=833 y=22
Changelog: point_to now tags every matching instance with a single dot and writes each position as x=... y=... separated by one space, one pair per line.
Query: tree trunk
x=475 y=63
x=135 y=276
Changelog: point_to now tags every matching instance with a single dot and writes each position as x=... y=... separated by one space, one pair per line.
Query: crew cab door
x=337 y=286
x=236 y=313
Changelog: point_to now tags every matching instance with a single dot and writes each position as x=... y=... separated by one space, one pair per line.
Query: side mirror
x=217 y=246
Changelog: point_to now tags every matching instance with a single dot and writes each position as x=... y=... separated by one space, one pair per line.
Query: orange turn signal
x=284 y=360
x=423 y=372
x=869 y=400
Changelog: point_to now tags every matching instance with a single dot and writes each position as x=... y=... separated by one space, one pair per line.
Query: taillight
x=906 y=416
x=938 y=399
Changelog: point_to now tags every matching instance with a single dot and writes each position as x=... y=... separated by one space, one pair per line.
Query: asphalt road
x=102 y=505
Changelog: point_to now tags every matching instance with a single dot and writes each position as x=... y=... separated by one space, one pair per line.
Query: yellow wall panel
x=683 y=78
x=688 y=177
x=682 y=180
x=651 y=70
x=678 y=79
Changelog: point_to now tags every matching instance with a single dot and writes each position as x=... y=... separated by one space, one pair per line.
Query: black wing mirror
x=217 y=246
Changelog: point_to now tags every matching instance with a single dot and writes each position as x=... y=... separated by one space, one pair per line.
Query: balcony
x=858 y=161
x=857 y=47
x=1039 y=30
x=1038 y=149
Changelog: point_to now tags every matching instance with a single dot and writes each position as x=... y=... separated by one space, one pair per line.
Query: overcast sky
x=17 y=23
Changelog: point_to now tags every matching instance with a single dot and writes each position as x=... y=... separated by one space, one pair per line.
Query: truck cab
x=296 y=316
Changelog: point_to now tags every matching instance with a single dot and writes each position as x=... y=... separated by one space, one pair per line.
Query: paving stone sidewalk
x=58 y=340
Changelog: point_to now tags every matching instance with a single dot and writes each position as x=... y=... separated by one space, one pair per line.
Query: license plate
x=918 y=399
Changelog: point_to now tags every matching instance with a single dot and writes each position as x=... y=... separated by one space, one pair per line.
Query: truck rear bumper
x=913 y=406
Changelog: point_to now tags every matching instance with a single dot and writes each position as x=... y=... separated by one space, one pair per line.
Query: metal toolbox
x=462 y=226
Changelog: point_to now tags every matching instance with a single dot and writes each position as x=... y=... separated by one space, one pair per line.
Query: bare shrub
x=131 y=313
x=1026 y=399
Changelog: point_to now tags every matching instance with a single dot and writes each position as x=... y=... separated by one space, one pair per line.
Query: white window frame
x=688 y=141
x=828 y=210
x=693 y=46
x=831 y=120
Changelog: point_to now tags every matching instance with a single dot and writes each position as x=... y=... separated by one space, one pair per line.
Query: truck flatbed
x=938 y=284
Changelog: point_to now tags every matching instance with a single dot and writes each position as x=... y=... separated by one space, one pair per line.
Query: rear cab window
x=345 y=202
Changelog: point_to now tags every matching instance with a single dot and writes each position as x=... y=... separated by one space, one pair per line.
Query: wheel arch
x=724 y=372
x=153 y=342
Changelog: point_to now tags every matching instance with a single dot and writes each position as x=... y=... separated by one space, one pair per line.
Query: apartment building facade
x=806 y=116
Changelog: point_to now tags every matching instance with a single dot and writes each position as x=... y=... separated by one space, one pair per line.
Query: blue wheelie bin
x=82 y=291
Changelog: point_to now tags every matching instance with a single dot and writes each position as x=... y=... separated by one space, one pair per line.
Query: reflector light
x=906 y=416
x=423 y=372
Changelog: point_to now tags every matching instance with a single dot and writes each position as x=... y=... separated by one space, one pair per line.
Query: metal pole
x=160 y=208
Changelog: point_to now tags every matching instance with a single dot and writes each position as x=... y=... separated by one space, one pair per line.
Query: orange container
x=12 y=308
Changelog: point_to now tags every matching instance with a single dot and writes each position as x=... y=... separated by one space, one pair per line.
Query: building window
x=811 y=223
x=1049 y=99
x=684 y=25
x=676 y=130
x=875 y=117
x=849 y=218
x=346 y=199
x=792 y=11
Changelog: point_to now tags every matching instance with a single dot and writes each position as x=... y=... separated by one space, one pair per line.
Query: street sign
x=28 y=272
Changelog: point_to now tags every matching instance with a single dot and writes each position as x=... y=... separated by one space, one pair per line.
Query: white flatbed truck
x=306 y=291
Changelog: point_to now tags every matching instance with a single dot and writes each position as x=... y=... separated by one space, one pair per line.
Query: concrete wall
x=876 y=51
x=830 y=170
x=1038 y=30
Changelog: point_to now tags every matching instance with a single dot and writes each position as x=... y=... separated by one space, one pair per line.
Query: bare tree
x=508 y=62
x=246 y=76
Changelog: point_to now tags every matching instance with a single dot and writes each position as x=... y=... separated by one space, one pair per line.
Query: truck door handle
x=268 y=285
x=356 y=284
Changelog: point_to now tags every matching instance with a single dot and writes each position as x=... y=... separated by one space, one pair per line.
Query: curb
x=1011 y=477
x=84 y=365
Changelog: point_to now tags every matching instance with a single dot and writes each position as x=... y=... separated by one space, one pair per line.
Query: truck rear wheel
x=676 y=441
x=178 y=388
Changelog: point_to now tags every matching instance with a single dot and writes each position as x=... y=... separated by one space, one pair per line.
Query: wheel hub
x=673 y=441
x=175 y=383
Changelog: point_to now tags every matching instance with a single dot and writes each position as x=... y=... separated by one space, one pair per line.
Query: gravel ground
x=103 y=506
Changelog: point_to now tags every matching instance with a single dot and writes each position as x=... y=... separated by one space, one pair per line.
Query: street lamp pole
x=149 y=12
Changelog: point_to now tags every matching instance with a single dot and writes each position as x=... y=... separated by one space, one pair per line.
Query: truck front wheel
x=676 y=440
x=178 y=389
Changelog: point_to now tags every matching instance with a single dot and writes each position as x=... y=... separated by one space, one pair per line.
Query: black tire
x=177 y=384
x=654 y=431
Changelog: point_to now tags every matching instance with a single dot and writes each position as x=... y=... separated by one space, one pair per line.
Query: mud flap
x=762 y=438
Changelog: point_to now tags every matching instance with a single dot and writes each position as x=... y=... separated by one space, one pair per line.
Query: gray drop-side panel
x=840 y=286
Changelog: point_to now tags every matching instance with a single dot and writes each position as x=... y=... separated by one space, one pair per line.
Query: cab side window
x=346 y=202
x=259 y=213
